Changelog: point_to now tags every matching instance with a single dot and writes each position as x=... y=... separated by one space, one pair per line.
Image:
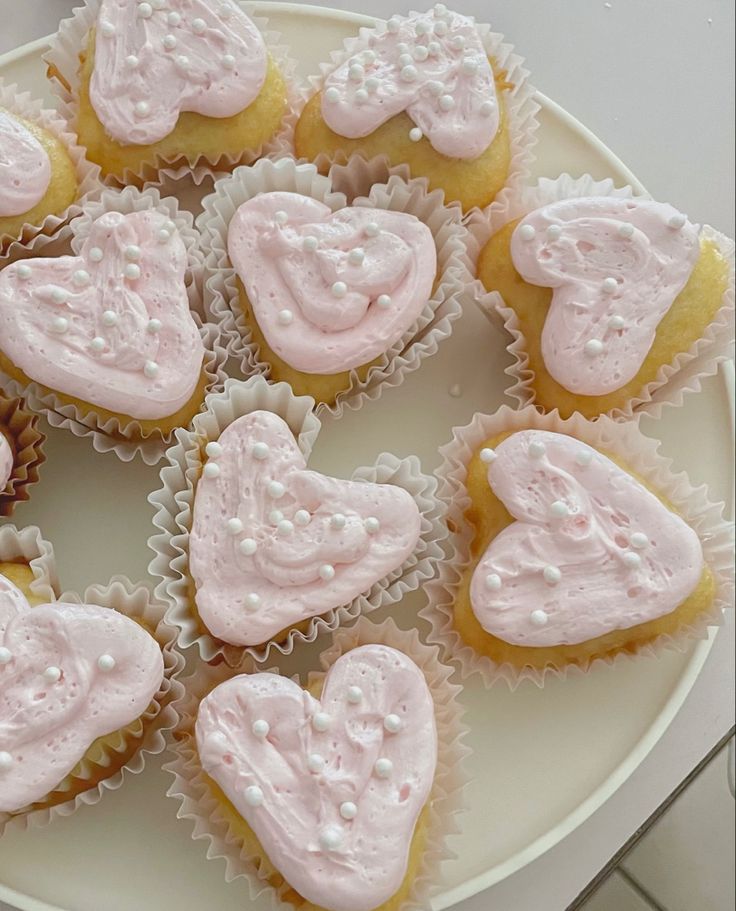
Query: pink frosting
x=25 y=169
x=336 y=829
x=111 y=326
x=616 y=267
x=6 y=462
x=302 y=543
x=154 y=60
x=592 y=550
x=69 y=673
x=433 y=66
x=382 y=264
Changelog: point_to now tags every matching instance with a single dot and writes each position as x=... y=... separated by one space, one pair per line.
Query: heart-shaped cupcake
x=111 y=326
x=433 y=66
x=153 y=61
x=25 y=169
x=615 y=266
x=592 y=550
x=273 y=544
x=331 y=291
x=69 y=673
x=332 y=788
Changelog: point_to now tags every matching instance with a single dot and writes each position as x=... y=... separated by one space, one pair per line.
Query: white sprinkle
x=169 y=42
x=247 y=547
x=96 y=254
x=610 y=285
x=261 y=728
x=616 y=322
x=81 y=278
x=440 y=28
x=372 y=83
x=415 y=134
x=211 y=470
x=110 y=318
x=315 y=763
x=356 y=256
x=470 y=66
x=59 y=324
x=52 y=674
x=488 y=455
x=420 y=53
x=421 y=28
x=639 y=540
x=372 y=525
x=281 y=217
x=234 y=526
x=327 y=572
x=552 y=575
x=369 y=57
x=383 y=768
x=276 y=489
x=536 y=449
x=321 y=722
x=348 y=810
x=213 y=449
x=145 y=10
x=447 y=102
x=361 y=96
x=493 y=582
x=355 y=695
x=457 y=43
x=275 y=516
x=677 y=221
x=372 y=229
x=173 y=19
x=338 y=520
x=59 y=295
x=254 y=796
x=339 y=289
x=154 y=326
x=435 y=87
x=434 y=48
x=131 y=61
x=228 y=62
x=132 y=271
x=286 y=317
x=330 y=838
x=199 y=26
x=24 y=271
x=5 y=655
x=584 y=458
x=332 y=95
x=593 y=347
x=252 y=600
x=107 y=29
x=626 y=230
x=356 y=72
x=392 y=723
x=527 y=232
x=554 y=232
x=405 y=59
x=632 y=560
x=163 y=236
x=310 y=244
x=170 y=226
x=487 y=108
x=539 y=617
x=150 y=369
x=106 y=663
x=6 y=761
x=559 y=510
x=285 y=527
x=97 y=343
x=141 y=108
x=260 y=451
x=383 y=301
x=409 y=73
x=393 y=25
x=302 y=517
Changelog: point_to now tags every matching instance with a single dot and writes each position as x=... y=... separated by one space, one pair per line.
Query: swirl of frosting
x=69 y=673
x=154 y=61
x=591 y=550
x=332 y=788
x=433 y=66
x=6 y=461
x=111 y=326
x=331 y=291
x=273 y=544
x=25 y=169
x=615 y=267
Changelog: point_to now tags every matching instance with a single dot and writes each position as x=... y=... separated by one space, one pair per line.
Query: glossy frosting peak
x=433 y=66
x=273 y=543
x=332 y=788
x=154 y=60
x=6 y=461
x=591 y=550
x=331 y=291
x=616 y=267
x=111 y=326
x=25 y=169
x=69 y=673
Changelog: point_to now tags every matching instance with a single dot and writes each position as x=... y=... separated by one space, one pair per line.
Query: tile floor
x=686 y=861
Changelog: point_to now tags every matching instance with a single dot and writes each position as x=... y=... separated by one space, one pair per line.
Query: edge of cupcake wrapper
x=110 y=435
x=21 y=427
x=63 y=55
x=674 y=380
x=521 y=106
x=133 y=600
x=174 y=505
x=88 y=174
x=362 y=182
x=641 y=455
x=447 y=800
x=27 y=545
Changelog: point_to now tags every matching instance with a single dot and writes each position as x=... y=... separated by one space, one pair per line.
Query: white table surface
x=654 y=80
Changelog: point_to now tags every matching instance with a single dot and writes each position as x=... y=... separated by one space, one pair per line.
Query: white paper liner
x=26 y=545
x=455 y=265
x=640 y=455
x=109 y=435
x=20 y=428
x=188 y=185
x=87 y=173
x=63 y=55
x=521 y=104
x=134 y=600
x=446 y=802
x=174 y=503
x=674 y=380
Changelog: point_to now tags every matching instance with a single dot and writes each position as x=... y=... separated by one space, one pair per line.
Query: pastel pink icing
x=46 y=725
x=611 y=516
x=291 y=286
x=595 y=339
x=246 y=598
x=6 y=462
x=25 y=169
x=432 y=65
x=154 y=60
x=90 y=327
x=365 y=860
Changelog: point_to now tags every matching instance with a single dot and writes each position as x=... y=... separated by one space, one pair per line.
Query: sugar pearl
x=302 y=517
x=356 y=256
x=59 y=295
x=447 y=102
x=487 y=108
x=110 y=318
x=321 y=722
x=315 y=763
x=537 y=449
x=409 y=73
x=154 y=326
x=348 y=810
x=275 y=516
x=96 y=254
x=252 y=600
x=276 y=489
x=639 y=540
x=372 y=525
x=392 y=723
x=369 y=57
x=626 y=230
x=338 y=520
x=552 y=575
x=539 y=617
x=616 y=322
x=372 y=83
x=254 y=796
x=393 y=25
x=632 y=560
x=281 y=217
x=234 y=526
x=169 y=42
x=361 y=96
x=559 y=510
x=59 y=324
x=285 y=527
x=584 y=458
x=383 y=301
x=286 y=317
x=457 y=43
x=80 y=278
x=332 y=95
x=214 y=449
x=356 y=72
x=173 y=19
x=247 y=547
x=339 y=289
x=527 y=232
x=107 y=29
x=199 y=26
x=228 y=62
x=440 y=28
x=52 y=674
x=677 y=221
x=436 y=87
x=372 y=229
x=5 y=655
x=326 y=572
x=330 y=838
x=593 y=347
x=470 y=66
x=6 y=761
x=415 y=134
x=383 y=768
x=145 y=11
x=355 y=695
x=24 y=271
x=97 y=344
x=488 y=455
x=131 y=61
x=261 y=728
x=310 y=244
x=420 y=53
x=610 y=285
x=211 y=471
x=141 y=108
x=260 y=451
x=163 y=236
x=150 y=369
x=405 y=59
x=493 y=582
x=132 y=271
x=554 y=232
x=106 y=663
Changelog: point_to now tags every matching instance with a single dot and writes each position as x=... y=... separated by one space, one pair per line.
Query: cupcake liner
x=446 y=803
x=109 y=435
x=134 y=601
x=26 y=545
x=20 y=428
x=640 y=455
x=88 y=174
x=674 y=380
x=62 y=60
x=188 y=186
x=392 y=192
x=174 y=503
x=521 y=104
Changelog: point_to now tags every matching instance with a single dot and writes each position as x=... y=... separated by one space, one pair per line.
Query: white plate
x=544 y=760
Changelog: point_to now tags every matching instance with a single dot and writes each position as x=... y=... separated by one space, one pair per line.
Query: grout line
x=637 y=887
